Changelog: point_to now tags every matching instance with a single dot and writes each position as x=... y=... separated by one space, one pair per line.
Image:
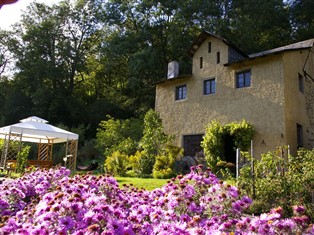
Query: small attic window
x=209 y=47
x=218 y=57
x=301 y=83
x=201 y=62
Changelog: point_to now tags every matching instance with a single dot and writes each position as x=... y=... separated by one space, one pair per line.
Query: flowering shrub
x=280 y=181
x=51 y=202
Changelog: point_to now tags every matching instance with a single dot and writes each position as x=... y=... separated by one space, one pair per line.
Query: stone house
x=273 y=90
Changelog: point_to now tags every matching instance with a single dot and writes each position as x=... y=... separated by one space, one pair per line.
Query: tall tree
x=258 y=25
x=146 y=36
x=5 y=55
x=53 y=44
x=302 y=19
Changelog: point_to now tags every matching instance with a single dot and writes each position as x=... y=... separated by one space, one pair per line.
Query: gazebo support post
x=7 y=153
x=4 y=153
x=71 y=154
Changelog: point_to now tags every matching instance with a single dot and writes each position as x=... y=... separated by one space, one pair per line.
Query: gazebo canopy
x=35 y=129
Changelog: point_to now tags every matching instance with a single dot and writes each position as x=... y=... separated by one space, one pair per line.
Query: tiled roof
x=295 y=46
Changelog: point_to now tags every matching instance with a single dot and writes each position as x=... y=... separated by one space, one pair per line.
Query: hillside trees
x=78 y=61
x=258 y=26
x=52 y=45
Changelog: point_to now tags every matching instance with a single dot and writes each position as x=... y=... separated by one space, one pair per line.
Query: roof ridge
x=294 y=46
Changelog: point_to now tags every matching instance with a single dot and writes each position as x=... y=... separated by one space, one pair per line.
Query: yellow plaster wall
x=263 y=104
x=299 y=106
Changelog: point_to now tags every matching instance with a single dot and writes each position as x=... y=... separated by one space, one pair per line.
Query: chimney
x=173 y=69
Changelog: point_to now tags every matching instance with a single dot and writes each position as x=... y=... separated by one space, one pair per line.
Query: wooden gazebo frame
x=37 y=130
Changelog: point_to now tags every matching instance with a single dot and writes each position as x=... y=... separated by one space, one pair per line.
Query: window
x=201 y=62
x=210 y=86
x=243 y=79
x=301 y=83
x=299 y=136
x=218 y=57
x=209 y=47
x=181 y=92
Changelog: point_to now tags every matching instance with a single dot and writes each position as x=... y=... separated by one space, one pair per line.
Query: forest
x=77 y=62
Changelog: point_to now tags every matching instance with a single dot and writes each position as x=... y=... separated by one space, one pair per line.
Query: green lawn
x=149 y=184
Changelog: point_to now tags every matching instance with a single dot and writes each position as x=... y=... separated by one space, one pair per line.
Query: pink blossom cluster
x=52 y=202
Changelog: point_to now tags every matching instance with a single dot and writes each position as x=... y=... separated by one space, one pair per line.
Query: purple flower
x=298 y=210
x=196 y=203
x=66 y=223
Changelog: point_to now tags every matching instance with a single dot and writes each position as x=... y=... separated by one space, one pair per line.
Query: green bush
x=21 y=160
x=138 y=145
x=166 y=173
x=164 y=164
x=213 y=142
x=21 y=151
x=280 y=181
x=119 y=135
x=135 y=164
x=146 y=164
x=117 y=164
x=153 y=142
x=14 y=147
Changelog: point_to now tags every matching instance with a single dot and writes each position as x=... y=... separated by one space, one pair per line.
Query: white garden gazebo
x=37 y=130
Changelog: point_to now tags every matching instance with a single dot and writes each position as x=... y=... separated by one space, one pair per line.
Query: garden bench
x=39 y=163
x=11 y=164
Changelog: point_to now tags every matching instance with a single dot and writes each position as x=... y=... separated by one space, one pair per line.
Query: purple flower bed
x=51 y=202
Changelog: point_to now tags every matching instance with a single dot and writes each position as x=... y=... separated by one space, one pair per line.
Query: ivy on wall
x=214 y=140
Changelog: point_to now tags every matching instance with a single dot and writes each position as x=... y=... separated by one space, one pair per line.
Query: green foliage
x=146 y=165
x=164 y=164
x=121 y=138
x=280 y=181
x=20 y=151
x=135 y=165
x=302 y=19
x=154 y=140
x=88 y=151
x=213 y=144
x=242 y=134
x=267 y=22
x=213 y=141
x=224 y=170
x=119 y=135
x=14 y=147
x=21 y=160
x=165 y=173
x=117 y=164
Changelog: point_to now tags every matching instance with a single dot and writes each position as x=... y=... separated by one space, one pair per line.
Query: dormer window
x=218 y=57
